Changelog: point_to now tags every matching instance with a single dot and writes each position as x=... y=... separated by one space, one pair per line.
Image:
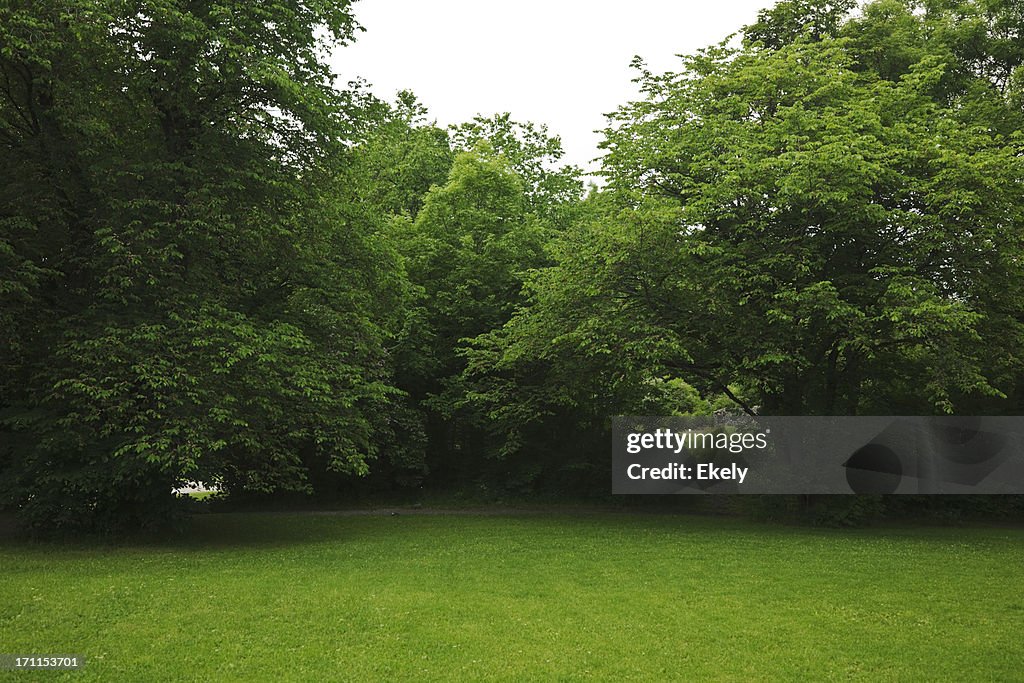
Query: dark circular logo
x=874 y=468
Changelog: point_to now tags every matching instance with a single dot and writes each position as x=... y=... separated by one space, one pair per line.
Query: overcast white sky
x=564 y=63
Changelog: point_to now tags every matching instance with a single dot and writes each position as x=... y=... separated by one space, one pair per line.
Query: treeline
x=216 y=265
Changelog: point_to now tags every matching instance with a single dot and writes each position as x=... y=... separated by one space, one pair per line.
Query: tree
x=467 y=249
x=789 y=21
x=577 y=353
x=831 y=220
x=403 y=157
x=784 y=227
x=552 y=189
x=209 y=299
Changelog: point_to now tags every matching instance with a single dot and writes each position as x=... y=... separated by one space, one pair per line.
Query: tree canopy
x=217 y=265
x=196 y=293
x=796 y=223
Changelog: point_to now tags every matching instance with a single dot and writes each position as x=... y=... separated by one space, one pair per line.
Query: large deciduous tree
x=467 y=252
x=194 y=290
x=467 y=241
x=795 y=223
x=838 y=241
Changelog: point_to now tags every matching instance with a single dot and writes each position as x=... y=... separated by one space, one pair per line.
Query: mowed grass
x=532 y=597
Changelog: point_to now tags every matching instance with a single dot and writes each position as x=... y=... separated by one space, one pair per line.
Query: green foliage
x=214 y=265
x=477 y=239
x=549 y=380
x=403 y=158
x=471 y=212
x=467 y=251
x=793 y=20
x=785 y=227
x=829 y=230
x=844 y=511
x=206 y=298
x=551 y=189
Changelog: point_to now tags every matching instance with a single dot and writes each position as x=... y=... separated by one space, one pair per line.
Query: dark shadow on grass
x=199 y=533
x=279 y=530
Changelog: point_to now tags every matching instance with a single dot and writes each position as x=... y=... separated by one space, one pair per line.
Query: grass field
x=529 y=597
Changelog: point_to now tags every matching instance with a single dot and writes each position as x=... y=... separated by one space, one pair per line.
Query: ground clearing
x=534 y=597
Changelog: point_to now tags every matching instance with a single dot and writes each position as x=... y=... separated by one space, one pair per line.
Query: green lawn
x=530 y=597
